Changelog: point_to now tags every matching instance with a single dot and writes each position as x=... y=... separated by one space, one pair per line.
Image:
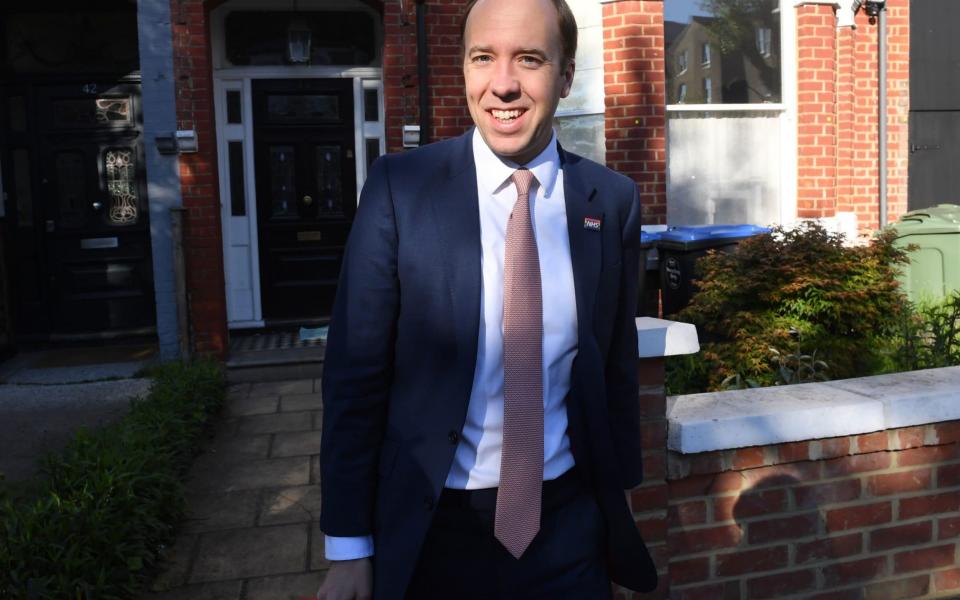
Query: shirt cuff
x=348 y=548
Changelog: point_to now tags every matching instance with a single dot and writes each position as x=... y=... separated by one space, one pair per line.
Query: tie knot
x=522 y=178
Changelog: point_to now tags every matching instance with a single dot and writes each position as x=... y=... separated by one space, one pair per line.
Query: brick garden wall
x=203 y=238
x=864 y=516
x=837 y=114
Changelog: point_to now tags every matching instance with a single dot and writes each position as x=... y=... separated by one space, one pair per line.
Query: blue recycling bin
x=680 y=248
x=648 y=282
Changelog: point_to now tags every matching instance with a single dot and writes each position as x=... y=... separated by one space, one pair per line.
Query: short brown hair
x=565 y=20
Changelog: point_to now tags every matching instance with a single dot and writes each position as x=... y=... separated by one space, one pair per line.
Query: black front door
x=74 y=166
x=306 y=192
x=934 y=104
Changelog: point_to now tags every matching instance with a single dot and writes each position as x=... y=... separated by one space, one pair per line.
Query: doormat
x=317 y=333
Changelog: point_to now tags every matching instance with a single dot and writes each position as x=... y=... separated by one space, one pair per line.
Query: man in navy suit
x=415 y=449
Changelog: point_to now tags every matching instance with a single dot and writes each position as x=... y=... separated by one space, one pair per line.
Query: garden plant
x=792 y=306
x=97 y=519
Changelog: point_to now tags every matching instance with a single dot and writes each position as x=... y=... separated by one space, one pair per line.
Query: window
x=120 y=168
x=234 y=107
x=729 y=157
x=337 y=37
x=372 y=122
x=238 y=199
x=371 y=105
x=747 y=68
x=579 y=119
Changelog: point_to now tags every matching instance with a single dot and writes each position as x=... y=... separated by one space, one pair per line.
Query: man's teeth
x=505 y=115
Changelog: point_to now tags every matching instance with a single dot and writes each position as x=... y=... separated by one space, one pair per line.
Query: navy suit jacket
x=402 y=349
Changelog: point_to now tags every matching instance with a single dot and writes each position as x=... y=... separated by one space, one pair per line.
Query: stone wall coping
x=777 y=415
x=659 y=337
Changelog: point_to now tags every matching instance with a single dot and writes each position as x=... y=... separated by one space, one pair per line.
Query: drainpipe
x=180 y=281
x=882 y=112
x=422 y=72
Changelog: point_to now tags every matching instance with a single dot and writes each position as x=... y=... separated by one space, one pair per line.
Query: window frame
x=786 y=108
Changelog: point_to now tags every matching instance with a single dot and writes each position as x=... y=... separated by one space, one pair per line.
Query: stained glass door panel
x=306 y=192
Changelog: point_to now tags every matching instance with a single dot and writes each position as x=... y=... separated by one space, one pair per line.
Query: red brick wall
x=649 y=500
x=816 y=111
x=837 y=114
x=635 y=92
x=203 y=238
x=873 y=515
x=448 y=109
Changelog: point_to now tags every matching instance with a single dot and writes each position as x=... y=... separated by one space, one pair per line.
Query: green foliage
x=929 y=336
x=111 y=500
x=842 y=301
x=797 y=367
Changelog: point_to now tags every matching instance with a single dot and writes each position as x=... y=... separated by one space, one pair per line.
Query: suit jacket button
x=454 y=437
x=428 y=503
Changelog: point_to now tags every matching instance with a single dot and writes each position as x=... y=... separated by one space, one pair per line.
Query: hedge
x=104 y=508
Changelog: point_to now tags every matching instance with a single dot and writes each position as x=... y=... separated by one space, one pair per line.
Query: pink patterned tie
x=521 y=460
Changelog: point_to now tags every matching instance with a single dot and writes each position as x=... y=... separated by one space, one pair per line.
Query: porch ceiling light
x=298 y=41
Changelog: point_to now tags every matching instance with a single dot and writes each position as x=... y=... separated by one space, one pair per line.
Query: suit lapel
x=585 y=242
x=456 y=216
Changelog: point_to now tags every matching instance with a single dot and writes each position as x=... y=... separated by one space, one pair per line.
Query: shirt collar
x=497 y=171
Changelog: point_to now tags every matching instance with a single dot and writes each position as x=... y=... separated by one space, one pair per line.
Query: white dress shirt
x=476 y=463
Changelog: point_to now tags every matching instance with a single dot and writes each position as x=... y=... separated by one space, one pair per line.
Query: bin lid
x=697 y=233
x=943 y=218
x=648 y=238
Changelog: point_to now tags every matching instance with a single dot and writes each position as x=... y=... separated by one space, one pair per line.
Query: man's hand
x=348 y=580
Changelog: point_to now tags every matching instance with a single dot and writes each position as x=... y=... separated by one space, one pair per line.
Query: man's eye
x=482 y=59
x=531 y=61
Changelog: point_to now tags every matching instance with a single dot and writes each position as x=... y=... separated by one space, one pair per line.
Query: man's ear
x=568 y=78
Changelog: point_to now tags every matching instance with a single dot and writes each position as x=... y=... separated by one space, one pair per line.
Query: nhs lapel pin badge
x=592 y=223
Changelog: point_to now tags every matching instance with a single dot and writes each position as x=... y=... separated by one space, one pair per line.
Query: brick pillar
x=816 y=112
x=656 y=339
x=837 y=114
x=649 y=501
x=898 y=106
x=203 y=236
x=866 y=150
x=635 y=91
x=846 y=117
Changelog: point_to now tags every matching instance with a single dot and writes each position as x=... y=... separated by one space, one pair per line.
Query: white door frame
x=241 y=252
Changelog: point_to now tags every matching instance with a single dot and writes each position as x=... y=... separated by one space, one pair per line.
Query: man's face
x=515 y=74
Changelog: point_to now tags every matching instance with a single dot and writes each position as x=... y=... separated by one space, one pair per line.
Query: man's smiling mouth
x=506 y=116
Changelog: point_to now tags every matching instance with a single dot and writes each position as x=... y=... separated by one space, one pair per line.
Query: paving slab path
x=253 y=501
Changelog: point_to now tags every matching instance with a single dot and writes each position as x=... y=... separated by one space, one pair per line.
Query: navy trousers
x=462 y=559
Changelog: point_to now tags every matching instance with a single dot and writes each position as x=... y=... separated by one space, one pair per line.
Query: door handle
x=918 y=147
x=96 y=205
x=307 y=200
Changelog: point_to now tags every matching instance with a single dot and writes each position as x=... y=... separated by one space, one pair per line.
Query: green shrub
x=929 y=336
x=112 y=499
x=843 y=302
